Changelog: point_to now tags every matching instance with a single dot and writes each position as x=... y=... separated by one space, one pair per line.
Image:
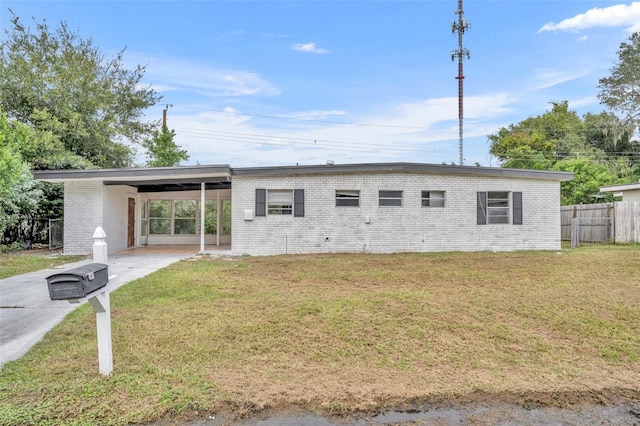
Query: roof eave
x=137 y=174
x=402 y=167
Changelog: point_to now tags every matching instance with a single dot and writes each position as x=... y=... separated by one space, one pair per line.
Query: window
x=143 y=219
x=160 y=217
x=390 y=198
x=211 y=217
x=184 y=217
x=347 y=198
x=432 y=198
x=178 y=217
x=279 y=202
x=495 y=207
x=226 y=217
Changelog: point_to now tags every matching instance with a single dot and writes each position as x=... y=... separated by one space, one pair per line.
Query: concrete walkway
x=27 y=313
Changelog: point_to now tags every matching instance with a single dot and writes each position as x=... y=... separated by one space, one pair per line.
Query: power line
x=277 y=117
x=258 y=139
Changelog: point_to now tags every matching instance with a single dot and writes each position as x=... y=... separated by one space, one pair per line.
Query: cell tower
x=460 y=27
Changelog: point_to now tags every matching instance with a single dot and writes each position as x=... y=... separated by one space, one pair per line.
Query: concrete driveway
x=27 y=313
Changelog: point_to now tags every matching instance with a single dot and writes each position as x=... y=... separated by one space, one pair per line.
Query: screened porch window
x=160 y=217
x=184 y=217
x=211 y=217
x=143 y=219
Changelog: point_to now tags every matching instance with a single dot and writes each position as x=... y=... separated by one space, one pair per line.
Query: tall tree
x=588 y=177
x=19 y=193
x=621 y=90
x=162 y=151
x=552 y=136
x=594 y=148
x=57 y=82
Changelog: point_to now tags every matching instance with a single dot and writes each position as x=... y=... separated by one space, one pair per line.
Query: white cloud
x=621 y=15
x=169 y=74
x=422 y=131
x=309 y=48
x=316 y=115
x=545 y=79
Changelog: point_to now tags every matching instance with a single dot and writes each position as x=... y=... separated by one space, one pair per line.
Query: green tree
x=621 y=90
x=162 y=151
x=19 y=193
x=525 y=157
x=596 y=148
x=589 y=176
x=553 y=136
x=67 y=89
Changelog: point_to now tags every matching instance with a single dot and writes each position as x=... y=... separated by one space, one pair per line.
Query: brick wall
x=83 y=207
x=369 y=228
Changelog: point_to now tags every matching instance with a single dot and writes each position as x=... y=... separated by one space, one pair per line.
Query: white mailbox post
x=100 y=302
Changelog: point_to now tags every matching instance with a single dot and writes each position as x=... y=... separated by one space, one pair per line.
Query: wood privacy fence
x=617 y=222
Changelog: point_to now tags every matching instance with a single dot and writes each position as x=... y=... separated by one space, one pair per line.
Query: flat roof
x=402 y=167
x=215 y=175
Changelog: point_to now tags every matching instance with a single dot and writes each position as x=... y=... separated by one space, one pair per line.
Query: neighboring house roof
x=219 y=176
x=621 y=187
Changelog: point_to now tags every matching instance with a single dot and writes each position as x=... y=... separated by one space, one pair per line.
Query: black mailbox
x=77 y=282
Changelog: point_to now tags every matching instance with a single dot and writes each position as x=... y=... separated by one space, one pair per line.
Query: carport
x=144 y=207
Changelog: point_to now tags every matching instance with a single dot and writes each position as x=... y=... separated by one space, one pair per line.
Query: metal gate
x=56 y=233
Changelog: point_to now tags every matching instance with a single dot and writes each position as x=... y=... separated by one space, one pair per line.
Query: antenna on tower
x=460 y=27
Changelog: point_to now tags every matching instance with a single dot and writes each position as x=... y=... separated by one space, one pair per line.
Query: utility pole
x=460 y=27
x=164 y=115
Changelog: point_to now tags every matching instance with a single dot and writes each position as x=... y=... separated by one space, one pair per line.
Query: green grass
x=22 y=262
x=340 y=333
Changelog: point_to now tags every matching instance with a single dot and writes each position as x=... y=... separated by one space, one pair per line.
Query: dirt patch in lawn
x=615 y=407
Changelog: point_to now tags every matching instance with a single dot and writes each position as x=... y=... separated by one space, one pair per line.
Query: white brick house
x=380 y=208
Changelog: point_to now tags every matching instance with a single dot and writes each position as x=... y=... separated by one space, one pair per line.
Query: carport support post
x=102 y=305
x=202 y=211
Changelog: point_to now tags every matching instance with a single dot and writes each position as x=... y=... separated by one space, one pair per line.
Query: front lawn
x=337 y=334
x=22 y=262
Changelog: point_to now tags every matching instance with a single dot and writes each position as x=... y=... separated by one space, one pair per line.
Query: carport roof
x=155 y=179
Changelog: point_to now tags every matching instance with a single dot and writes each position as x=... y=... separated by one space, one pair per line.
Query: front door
x=131 y=223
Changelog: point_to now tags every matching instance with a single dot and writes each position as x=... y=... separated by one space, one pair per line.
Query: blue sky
x=302 y=82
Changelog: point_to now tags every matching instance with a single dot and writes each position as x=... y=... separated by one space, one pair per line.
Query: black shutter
x=261 y=202
x=517 y=208
x=298 y=203
x=482 y=208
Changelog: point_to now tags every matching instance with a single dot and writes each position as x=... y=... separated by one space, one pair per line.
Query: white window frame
x=498 y=207
x=390 y=198
x=347 y=197
x=429 y=200
x=280 y=202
